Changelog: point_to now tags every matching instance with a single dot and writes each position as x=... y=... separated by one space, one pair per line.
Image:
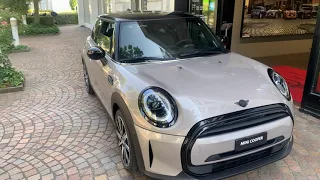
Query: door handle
x=110 y=80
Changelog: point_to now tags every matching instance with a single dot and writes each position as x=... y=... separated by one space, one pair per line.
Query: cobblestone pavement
x=54 y=130
x=276 y=27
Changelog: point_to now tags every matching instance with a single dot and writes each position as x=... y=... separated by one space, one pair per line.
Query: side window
x=95 y=30
x=105 y=37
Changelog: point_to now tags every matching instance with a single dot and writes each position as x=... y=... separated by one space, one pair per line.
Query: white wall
x=263 y=49
x=60 y=5
x=160 y=5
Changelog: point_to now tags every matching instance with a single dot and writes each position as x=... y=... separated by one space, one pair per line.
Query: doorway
x=225 y=19
x=215 y=13
x=311 y=95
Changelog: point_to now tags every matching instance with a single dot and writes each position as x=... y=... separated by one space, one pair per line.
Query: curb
x=11 y=89
x=19 y=51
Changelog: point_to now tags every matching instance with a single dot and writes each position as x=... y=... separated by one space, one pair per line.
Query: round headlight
x=158 y=107
x=280 y=83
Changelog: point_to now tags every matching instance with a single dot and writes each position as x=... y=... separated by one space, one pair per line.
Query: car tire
x=302 y=16
x=125 y=143
x=87 y=82
x=276 y=16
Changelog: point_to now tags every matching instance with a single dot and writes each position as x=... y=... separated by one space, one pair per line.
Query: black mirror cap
x=96 y=53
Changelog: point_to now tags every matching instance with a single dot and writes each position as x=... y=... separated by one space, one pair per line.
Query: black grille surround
x=228 y=123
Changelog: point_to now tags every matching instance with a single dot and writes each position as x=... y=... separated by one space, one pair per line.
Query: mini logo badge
x=242 y=103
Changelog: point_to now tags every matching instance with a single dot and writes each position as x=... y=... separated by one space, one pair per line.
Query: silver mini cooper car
x=183 y=106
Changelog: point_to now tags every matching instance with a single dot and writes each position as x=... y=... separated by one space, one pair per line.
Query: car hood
x=205 y=87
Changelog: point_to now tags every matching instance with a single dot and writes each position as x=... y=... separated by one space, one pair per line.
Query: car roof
x=144 y=15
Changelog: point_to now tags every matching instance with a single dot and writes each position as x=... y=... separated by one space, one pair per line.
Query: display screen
x=278 y=18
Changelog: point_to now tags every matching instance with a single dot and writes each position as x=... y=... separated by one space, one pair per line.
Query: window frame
x=113 y=43
x=94 y=29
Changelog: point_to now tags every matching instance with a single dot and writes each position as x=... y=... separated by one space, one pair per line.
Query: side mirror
x=96 y=53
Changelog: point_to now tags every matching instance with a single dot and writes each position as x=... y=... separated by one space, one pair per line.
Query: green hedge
x=61 y=19
x=67 y=18
x=5 y=38
x=35 y=29
x=44 y=20
x=9 y=76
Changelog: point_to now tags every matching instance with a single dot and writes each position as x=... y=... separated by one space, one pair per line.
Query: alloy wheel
x=123 y=141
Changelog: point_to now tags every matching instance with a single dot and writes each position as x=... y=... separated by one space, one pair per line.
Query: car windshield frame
x=219 y=46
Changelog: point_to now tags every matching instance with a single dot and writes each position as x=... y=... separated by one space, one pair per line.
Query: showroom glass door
x=311 y=94
x=207 y=10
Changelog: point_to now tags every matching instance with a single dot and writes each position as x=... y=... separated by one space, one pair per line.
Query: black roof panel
x=146 y=15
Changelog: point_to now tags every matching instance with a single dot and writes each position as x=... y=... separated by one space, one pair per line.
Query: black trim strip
x=150 y=154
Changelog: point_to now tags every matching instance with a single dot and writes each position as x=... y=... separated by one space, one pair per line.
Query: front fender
x=118 y=102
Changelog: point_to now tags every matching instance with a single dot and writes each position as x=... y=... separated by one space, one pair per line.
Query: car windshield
x=166 y=39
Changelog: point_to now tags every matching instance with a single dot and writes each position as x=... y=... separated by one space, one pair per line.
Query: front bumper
x=163 y=155
x=307 y=15
x=255 y=14
x=291 y=16
x=270 y=15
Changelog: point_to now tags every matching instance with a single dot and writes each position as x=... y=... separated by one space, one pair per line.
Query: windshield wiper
x=143 y=59
x=199 y=53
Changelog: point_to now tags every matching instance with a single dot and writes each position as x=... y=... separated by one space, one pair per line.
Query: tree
x=36 y=11
x=73 y=4
x=17 y=6
x=130 y=52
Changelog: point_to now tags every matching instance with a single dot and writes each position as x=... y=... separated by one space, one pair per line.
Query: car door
x=101 y=70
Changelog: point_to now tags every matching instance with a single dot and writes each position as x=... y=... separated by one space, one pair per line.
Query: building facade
x=53 y=5
x=90 y=9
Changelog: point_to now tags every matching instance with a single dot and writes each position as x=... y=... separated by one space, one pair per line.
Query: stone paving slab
x=55 y=130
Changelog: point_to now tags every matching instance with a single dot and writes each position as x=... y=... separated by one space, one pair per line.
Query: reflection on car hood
x=205 y=87
x=272 y=11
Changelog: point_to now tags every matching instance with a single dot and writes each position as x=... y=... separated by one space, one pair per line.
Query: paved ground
x=53 y=129
x=275 y=27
